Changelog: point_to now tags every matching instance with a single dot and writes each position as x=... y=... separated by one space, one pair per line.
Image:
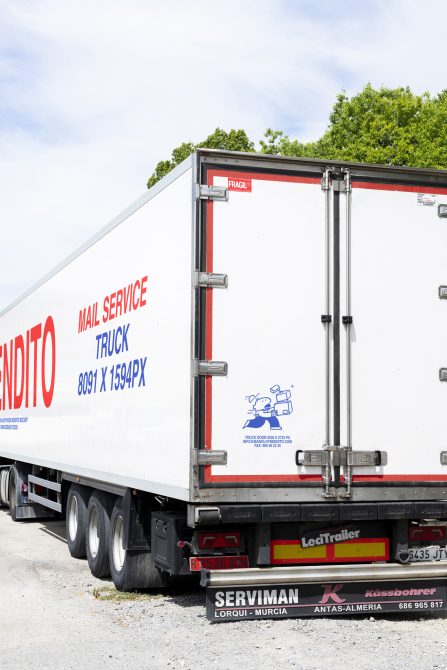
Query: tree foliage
x=234 y=140
x=387 y=126
x=391 y=126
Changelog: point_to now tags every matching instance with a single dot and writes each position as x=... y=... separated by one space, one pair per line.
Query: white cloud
x=95 y=92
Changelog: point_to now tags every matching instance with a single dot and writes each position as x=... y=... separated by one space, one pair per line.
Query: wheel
x=12 y=494
x=76 y=520
x=97 y=537
x=131 y=570
x=4 y=487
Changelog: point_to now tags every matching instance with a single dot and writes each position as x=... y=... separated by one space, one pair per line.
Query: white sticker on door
x=427 y=199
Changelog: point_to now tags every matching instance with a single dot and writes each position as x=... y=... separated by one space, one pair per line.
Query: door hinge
x=339 y=178
x=210 y=457
x=326 y=180
x=339 y=185
x=211 y=280
x=342 y=457
x=331 y=457
x=348 y=182
x=312 y=457
x=360 y=459
x=205 y=192
x=342 y=182
x=211 y=368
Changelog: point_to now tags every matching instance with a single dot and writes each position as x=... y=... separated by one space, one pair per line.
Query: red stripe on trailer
x=209 y=333
x=399 y=187
x=259 y=176
x=399 y=478
x=317 y=478
x=208 y=476
x=265 y=478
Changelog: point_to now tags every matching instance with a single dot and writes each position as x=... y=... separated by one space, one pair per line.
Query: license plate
x=427 y=554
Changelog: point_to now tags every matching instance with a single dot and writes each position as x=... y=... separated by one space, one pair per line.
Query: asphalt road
x=50 y=618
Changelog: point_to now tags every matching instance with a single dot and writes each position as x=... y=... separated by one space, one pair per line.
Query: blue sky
x=94 y=92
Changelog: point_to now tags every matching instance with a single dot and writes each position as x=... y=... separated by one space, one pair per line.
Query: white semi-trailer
x=245 y=374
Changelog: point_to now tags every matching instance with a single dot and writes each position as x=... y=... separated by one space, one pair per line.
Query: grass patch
x=109 y=593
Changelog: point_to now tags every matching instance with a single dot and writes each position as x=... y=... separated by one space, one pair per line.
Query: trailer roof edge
x=317 y=164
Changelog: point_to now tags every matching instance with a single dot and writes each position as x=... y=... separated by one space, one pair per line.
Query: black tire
x=12 y=494
x=97 y=534
x=131 y=570
x=76 y=520
x=4 y=487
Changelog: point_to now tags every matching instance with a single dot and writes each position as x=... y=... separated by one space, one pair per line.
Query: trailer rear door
x=399 y=330
x=362 y=395
x=270 y=241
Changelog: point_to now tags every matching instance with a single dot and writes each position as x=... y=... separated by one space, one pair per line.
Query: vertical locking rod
x=348 y=323
x=348 y=311
x=325 y=185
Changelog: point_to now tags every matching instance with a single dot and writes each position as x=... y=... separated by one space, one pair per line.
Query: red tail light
x=427 y=534
x=220 y=540
x=197 y=563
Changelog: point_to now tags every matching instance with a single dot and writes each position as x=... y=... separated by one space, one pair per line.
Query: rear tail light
x=219 y=540
x=197 y=563
x=427 y=534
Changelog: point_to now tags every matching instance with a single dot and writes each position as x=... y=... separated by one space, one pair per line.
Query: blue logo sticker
x=268 y=409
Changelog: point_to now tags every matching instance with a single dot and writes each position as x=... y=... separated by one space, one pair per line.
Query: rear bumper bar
x=373 y=572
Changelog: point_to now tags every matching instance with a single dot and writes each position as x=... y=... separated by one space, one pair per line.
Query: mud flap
x=328 y=599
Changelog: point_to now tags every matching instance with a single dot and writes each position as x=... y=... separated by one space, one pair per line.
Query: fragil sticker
x=268 y=411
x=239 y=184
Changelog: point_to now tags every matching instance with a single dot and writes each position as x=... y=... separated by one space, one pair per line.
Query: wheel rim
x=93 y=533
x=73 y=518
x=118 y=551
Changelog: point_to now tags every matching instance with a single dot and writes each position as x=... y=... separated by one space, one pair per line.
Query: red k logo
x=330 y=591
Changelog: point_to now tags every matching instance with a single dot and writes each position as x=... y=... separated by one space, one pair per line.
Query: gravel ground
x=50 y=618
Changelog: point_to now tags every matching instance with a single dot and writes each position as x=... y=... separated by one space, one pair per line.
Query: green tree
x=234 y=140
x=386 y=126
x=391 y=126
